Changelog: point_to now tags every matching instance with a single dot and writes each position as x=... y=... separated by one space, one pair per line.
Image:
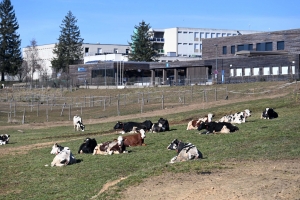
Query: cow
x=111 y=147
x=77 y=123
x=87 y=146
x=217 y=127
x=133 y=126
x=185 y=151
x=56 y=148
x=136 y=139
x=239 y=117
x=269 y=113
x=4 y=139
x=193 y=124
x=161 y=126
x=63 y=158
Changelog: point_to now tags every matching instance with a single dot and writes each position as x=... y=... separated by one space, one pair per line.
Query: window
x=275 y=70
x=202 y=35
x=266 y=71
x=284 y=70
x=269 y=46
x=292 y=69
x=213 y=35
x=207 y=35
x=218 y=35
x=247 y=71
x=99 y=50
x=224 y=50
x=232 y=49
x=184 y=32
x=280 y=45
x=179 y=31
x=223 y=34
x=250 y=47
x=196 y=34
x=258 y=47
x=231 y=72
x=256 y=71
x=184 y=43
x=239 y=72
x=196 y=46
x=240 y=47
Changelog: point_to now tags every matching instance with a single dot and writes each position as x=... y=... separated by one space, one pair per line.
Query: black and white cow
x=161 y=126
x=193 y=124
x=88 y=146
x=239 y=117
x=64 y=157
x=133 y=126
x=56 y=148
x=77 y=123
x=269 y=113
x=185 y=151
x=217 y=127
x=4 y=139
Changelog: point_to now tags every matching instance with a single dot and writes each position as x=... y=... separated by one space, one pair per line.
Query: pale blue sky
x=112 y=22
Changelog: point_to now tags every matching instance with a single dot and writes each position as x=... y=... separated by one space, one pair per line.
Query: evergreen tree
x=10 y=51
x=69 y=48
x=141 y=46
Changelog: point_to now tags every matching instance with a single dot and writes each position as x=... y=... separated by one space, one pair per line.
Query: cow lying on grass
x=193 y=124
x=133 y=126
x=111 y=147
x=185 y=151
x=136 y=139
x=4 y=139
x=239 y=117
x=56 y=148
x=88 y=146
x=269 y=113
x=217 y=127
x=77 y=123
x=161 y=126
x=63 y=158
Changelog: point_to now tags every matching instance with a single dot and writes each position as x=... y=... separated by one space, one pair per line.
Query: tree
x=69 y=48
x=10 y=51
x=33 y=62
x=141 y=46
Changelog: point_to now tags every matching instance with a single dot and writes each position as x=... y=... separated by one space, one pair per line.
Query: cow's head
x=201 y=126
x=247 y=113
x=209 y=117
x=80 y=124
x=120 y=141
x=5 y=138
x=56 y=148
x=173 y=145
x=143 y=133
x=119 y=125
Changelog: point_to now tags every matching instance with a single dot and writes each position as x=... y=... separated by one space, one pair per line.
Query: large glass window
x=280 y=45
x=256 y=71
x=284 y=70
x=293 y=69
x=266 y=71
x=275 y=70
x=231 y=72
x=247 y=71
x=269 y=46
x=240 y=47
x=239 y=72
x=224 y=50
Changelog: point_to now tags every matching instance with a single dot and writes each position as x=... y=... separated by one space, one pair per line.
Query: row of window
x=203 y=35
x=283 y=70
x=265 y=46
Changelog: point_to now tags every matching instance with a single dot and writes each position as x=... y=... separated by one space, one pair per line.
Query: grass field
x=25 y=176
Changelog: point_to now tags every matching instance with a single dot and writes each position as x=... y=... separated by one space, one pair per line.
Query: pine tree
x=10 y=51
x=141 y=45
x=69 y=48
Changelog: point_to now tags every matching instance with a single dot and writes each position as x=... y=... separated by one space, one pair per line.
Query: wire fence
x=33 y=105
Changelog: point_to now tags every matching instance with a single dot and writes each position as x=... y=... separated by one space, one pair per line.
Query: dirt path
x=244 y=180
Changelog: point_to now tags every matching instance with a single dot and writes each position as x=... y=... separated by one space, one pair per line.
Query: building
x=184 y=44
x=45 y=53
x=261 y=56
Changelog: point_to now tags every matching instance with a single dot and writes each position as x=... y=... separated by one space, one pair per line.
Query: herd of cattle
x=185 y=151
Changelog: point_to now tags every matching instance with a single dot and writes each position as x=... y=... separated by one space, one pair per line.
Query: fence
x=29 y=106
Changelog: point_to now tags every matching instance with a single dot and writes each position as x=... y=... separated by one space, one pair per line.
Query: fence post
x=118 y=104
x=38 y=106
x=47 y=116
x=23 y=119
x=216 y=94
x=69 y=112
x=104 y=104
x=142 y=102
x=162 y=102
x=62 y=110
x=191 y=93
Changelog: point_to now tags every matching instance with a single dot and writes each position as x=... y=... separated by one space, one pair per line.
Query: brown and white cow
x=136 y=139
x=193 y=124
x=111 y=147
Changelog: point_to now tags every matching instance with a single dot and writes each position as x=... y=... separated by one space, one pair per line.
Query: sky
x=113 y=21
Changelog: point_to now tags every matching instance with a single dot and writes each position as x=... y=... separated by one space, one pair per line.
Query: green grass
x=24 y=176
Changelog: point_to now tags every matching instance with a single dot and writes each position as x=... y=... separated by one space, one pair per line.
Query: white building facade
x=186 y=43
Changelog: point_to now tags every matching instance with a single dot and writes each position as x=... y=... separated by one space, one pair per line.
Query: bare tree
x=23 y=72
x=34 y=63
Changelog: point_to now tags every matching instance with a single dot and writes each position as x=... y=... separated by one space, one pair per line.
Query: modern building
x=261 y=56
x=182 y=44
x=45 y=53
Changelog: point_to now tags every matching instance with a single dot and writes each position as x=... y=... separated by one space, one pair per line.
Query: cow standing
x=185 y=151
x=269 y=113
x=88 y=146
x=77 y=123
